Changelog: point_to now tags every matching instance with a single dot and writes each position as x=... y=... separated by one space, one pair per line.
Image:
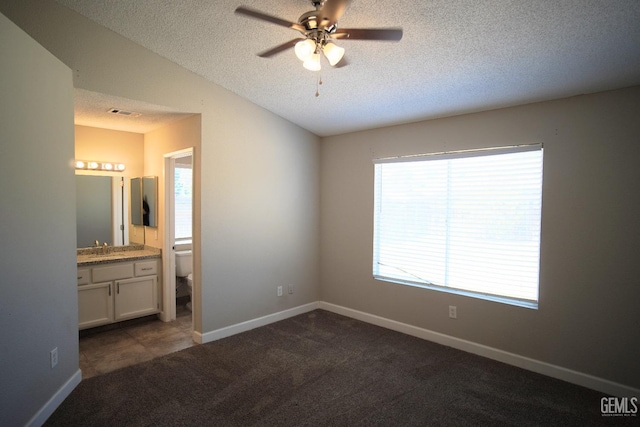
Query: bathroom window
x=183 y=202
x=465 y=222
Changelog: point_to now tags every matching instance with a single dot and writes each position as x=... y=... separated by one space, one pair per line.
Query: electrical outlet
x=54 y=357
x=453 y=312
x=290 y=289
x=279 y=291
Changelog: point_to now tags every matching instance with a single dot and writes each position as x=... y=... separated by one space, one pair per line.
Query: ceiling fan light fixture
x=313 y=63
x=304 y=49
x=333 y=53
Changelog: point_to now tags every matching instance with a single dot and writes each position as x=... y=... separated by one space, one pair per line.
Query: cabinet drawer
x=112 y=272
x=146 y=268
x=83 y=276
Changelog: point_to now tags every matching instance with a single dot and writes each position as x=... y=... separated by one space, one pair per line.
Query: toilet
x=183 y=263
x=183 y=269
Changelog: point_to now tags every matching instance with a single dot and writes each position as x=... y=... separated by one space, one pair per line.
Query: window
x=183 y=195
x=464 y=222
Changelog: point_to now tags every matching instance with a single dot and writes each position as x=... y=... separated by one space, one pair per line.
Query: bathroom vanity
x=116 y=284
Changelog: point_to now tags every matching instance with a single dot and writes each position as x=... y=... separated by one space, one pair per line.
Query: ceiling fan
x=318 y=28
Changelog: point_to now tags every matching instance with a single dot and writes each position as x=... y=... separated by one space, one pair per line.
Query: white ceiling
x=455 y=57
x=93 y=109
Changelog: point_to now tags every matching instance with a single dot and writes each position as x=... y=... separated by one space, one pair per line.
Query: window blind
x=183 y=202
x=468 y=221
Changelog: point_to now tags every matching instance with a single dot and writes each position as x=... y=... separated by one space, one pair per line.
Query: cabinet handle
x=79 y=277
x=118 y=287
x=109 y=289
x=146 y=269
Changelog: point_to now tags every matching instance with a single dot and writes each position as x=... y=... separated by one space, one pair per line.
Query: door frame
x=168 y=254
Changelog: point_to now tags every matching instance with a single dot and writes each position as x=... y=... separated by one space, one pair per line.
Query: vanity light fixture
x=99 y=166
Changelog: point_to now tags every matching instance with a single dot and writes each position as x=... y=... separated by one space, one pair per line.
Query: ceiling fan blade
x=279 y=48
x=332 y=10
x=268 y=18
x=384 y=34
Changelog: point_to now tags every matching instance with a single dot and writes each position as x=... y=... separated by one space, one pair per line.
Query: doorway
x=104 y=349
x=179 y=203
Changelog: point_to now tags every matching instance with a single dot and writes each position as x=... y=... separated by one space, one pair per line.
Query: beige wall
x=39 y=304
x=589 y=287
x=111 y=145
x=176 y=136
x=258 y=213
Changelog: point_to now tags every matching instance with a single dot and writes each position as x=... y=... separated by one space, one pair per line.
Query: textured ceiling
x=94 y=109
x=455 y=56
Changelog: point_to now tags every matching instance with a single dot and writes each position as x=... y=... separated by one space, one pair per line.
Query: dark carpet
x=323 y=369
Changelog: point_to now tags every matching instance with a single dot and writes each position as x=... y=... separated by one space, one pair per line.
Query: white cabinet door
x=136 y=297
x=95 y=305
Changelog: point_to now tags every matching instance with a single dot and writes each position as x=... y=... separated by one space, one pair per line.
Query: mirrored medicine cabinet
x=144 y=201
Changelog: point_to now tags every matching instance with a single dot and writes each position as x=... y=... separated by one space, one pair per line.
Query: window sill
x=494 y=298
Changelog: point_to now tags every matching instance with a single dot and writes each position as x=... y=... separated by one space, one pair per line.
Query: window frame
x=423 y=283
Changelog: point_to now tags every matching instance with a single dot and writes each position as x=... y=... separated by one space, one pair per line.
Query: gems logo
x=619 y=406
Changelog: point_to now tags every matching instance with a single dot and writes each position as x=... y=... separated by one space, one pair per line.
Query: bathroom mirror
x=144 y=201
x=136 y=201
x=100 y=208
x=149 y=201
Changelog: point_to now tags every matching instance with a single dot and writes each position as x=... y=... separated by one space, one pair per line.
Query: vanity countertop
x=96 y=256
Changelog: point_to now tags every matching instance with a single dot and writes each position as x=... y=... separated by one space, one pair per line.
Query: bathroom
x=183 y=223
x=147 y=153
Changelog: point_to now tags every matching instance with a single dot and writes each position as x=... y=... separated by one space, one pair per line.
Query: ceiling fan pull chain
x=318 y=83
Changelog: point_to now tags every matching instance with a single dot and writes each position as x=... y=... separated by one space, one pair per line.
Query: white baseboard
x=544 y=368
x=52 y=404
x=558 y=372
x=252 y=324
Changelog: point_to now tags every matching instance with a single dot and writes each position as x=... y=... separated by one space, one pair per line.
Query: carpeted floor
x=323 y=369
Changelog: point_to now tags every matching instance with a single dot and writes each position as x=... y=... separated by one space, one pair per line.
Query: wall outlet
x=453 y=312
x=54 y=357
x=279 y=291
x=290 y=289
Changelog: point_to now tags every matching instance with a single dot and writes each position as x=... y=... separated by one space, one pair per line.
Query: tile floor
x=103 y=350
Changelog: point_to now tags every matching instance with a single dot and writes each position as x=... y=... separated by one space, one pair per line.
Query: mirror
x=149 y=201
x=100 y=208
x=136 y=205
x=144 y=197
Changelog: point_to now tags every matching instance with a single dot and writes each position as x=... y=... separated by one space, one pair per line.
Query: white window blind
x=183 y=202
x=466 y=221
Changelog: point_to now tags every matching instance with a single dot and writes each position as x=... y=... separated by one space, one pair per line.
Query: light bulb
x=304 y=49
x=333 y=53
x=313 y=63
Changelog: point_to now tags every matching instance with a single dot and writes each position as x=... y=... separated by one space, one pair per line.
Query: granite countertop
x=96 y=256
